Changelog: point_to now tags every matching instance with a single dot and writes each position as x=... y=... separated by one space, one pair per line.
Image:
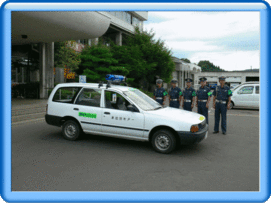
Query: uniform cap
x=203 y=79
x=174 y=80
x=222 y=78
x=188 y=80
x=159 y=81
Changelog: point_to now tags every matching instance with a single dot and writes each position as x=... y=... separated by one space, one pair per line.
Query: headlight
x=194 y=128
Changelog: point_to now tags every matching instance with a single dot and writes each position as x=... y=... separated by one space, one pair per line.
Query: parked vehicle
x=246 y=95
x=122 y=112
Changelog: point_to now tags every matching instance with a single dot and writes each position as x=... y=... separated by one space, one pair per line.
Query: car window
x=89 y=97
x=66 y=94
x=246 y=90
x=114 y=100
x=142 y=100
x=257 y=89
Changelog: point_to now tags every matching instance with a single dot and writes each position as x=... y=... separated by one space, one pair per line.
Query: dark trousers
x=203 y=110
x=187 y=106
x=160 y=101
x=220 y=109
x=174 y=104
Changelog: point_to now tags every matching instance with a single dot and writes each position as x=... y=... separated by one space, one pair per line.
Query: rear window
x=66 y=94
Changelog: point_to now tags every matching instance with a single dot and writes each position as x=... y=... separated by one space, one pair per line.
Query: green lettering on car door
x=88 y=115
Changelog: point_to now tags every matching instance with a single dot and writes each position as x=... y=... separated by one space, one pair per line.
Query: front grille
x=202 y=125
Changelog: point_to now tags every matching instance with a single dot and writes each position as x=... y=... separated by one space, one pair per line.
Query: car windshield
x=142 y=100
x=234 y=88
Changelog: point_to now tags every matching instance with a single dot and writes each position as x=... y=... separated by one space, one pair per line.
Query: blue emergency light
x=115 y=78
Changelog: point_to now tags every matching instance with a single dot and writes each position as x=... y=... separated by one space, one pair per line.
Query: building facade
x=232 y=77
x=34 y=34
x=184 y=70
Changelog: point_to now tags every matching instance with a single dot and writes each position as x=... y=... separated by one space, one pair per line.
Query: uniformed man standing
x=175 y=95
x=203 y=98
x=221 y=102
x=188 y=96
x=160 y=93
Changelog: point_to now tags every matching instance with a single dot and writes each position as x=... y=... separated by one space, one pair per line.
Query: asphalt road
x=43 y=161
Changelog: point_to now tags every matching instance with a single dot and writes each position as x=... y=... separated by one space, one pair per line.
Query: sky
x=230 y=40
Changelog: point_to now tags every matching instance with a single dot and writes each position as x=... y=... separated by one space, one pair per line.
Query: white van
x=246 y=95
x=121 y=112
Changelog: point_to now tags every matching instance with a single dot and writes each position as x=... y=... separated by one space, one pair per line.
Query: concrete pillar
x=46 y=68
x=59 y=75
x=49 y=66
x=42 y=69
x=183 y=79
x=119 y=39
x=94 y=41
x=180 y=79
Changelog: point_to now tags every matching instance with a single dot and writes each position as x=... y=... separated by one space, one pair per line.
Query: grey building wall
x=231 y=77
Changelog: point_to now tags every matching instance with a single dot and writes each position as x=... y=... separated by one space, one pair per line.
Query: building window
x=83 y=41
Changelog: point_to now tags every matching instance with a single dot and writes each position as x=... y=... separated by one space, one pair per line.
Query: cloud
x=209 y=34
x=229 y=60
x=191 y=46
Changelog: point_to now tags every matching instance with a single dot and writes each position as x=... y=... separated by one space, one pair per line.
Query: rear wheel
x=164 y=141
x=71 y=130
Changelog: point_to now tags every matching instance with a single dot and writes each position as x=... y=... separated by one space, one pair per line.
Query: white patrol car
x=121 y=112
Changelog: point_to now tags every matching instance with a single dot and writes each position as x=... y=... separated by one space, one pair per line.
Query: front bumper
x=187 y=138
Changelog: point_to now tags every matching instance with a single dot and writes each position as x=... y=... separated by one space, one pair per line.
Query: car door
x=87 y=109
x=117 y=120
x=244 y=96
x=256 y=97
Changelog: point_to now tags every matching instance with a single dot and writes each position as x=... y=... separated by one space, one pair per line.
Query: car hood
x=178 y=115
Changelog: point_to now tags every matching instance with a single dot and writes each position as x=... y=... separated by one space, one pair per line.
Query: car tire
x=163 y=141
x=231 y=105
x=71 y=130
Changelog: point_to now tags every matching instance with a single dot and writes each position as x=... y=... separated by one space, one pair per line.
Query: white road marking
x=29 y=114
x=28 y=121
x=249 y=115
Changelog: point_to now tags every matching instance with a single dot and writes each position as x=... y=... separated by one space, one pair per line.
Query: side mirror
x=132 y=108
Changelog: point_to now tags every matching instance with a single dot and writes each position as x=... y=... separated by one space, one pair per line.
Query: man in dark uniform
x=221 y=102
x=175 y=95
x=188 y=96
x=160 y=93
x=203 y=98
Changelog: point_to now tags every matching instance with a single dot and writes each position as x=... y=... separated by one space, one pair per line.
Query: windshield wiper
x=158 y=108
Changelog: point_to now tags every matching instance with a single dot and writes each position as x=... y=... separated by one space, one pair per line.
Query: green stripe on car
x=87 y=115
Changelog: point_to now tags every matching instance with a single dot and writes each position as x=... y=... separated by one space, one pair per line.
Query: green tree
x=207 y=66
x=145 y=58
x=65 y=56
x=97 y=61
x=186 y=60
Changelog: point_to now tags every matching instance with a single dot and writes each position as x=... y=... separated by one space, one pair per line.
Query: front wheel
x=163 y=141
x=71 y=130
x=231 y=105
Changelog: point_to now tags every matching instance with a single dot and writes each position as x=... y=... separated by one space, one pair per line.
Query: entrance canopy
x=35 y=27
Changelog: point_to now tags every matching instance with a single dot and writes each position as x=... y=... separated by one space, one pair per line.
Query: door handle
x=76 y=109
x=106 y=113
